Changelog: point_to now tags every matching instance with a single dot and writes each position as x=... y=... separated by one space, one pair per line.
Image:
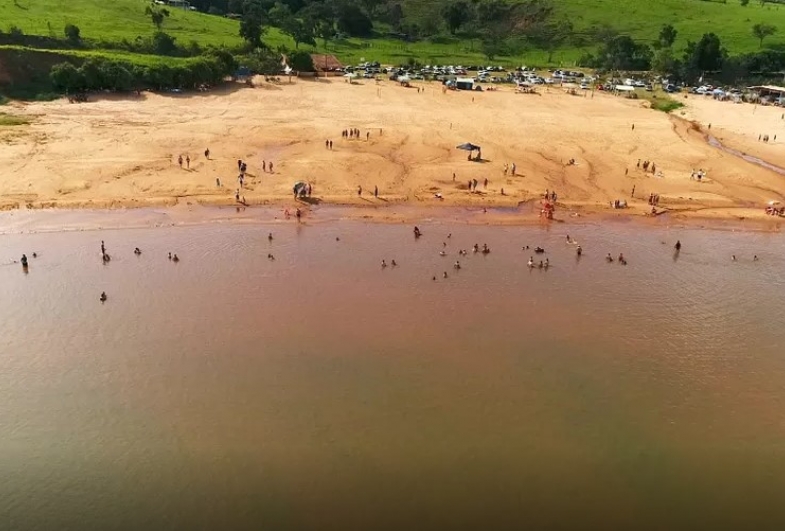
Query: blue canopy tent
x=468 y=146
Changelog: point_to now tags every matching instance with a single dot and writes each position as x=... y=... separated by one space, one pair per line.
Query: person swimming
x=137 y=251
x=579 y=251
x=755 y=258
x=35 y=255
x=444 y=275
x=442 y=253
x=270 y=257
x=384 y=264
x=547 y=263
x=531 y=262
x=393 y=263
x=417 y=232
x=24 y=260
x=609 y=258
x=485 y=249
x=678 y=245
x=103 y=297
x=540 y=265
x=622 y=261
x=733 y=258
x=270 y=237
x=476 y=248
x=170 y=256
x=174 y=258
x=457 y=265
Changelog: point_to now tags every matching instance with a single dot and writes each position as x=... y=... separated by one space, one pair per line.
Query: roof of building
x=769 y=88
x=323 y=62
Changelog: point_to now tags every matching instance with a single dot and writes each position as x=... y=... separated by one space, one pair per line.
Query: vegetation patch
x=10 y=120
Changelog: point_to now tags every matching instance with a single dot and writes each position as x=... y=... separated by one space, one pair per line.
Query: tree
x=706 y=55
x=321 y=17
x=761 y=31
x=163 y=43
x=549 y=36
x=251 y=29
x=72 y=33
x=456 y=14
x=300 y=30
x=744 y=3
x=352 y=20
x=301 y=61
x=157 y=16
x=664 y=62
x=667 y=36
x=67 y=78
x=623 y=53
x=491 y=48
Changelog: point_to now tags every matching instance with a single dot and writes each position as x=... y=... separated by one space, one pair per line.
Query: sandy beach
x=117 y=152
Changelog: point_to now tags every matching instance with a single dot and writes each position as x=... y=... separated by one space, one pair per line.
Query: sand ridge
x=122 y=151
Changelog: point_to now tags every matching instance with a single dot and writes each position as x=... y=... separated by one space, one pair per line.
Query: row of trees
x=107 y=74
x=706 y=58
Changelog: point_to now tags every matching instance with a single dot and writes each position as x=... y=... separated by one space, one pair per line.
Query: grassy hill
x=112 y=21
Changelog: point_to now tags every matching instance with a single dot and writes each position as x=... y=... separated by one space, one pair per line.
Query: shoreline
x=34 y=221
x=119 y=155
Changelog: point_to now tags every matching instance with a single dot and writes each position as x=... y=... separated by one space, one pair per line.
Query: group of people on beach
x=765 y=138
x=354 y=133
x=646 y=164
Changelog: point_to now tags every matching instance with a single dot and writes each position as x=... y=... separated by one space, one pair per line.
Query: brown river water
x=320 y=391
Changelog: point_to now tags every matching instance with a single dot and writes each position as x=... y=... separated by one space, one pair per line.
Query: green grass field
x=114 y=20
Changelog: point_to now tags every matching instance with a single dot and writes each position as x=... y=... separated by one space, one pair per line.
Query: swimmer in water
x=384 y=264
x=174 y=258
x=35 y=255
x=394 y=263
x=579 y=251
x=733 y=258
x=531 y=261
x=442 y=253
x=540 y=266
x=137 y=251
x=755 y=258
x=457 y=265
x=103 y=297
x=444 y=275
x=270 y=237
x=609 y=258
x=547 y=263
x=170 y=256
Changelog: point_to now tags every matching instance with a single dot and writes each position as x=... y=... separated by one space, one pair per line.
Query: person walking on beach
x=327 y=144
x=376 y=191
x=632 y=194
x=207 y=153
x=180 y=161
x=485 y=183
x=217 y=182
x=359 y=191
x=512 y=168
x=239 y=164
x=271 y=166
x=367 y=136
x=188 y=161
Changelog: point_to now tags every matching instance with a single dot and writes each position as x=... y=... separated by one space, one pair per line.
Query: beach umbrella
x=300 y=187
x=468 y=146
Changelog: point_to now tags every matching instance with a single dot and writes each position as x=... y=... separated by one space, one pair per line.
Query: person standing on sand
x=505 y=168
x=513 y=169
x=639 y=163
x=180 y=160
x=327 y=144
x=237 y=195
x=359 y=191
x=632 y=194
x=453 y=176
x=271 y=166
x=188 y=161
x=217 y=182
x=264 y=166
x=626 y=171
x=207 y=153
x=376 y=191
x=239 y=164
x=633 y=127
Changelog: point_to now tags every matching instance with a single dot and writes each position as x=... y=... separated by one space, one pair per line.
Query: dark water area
x=321 y=391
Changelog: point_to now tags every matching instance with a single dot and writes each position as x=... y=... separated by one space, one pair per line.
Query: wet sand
x=319 y=391
x=119 y=153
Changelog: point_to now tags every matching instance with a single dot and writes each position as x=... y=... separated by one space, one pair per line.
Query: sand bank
x=122 y=152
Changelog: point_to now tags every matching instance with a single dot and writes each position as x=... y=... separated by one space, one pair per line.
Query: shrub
x=72 y=33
